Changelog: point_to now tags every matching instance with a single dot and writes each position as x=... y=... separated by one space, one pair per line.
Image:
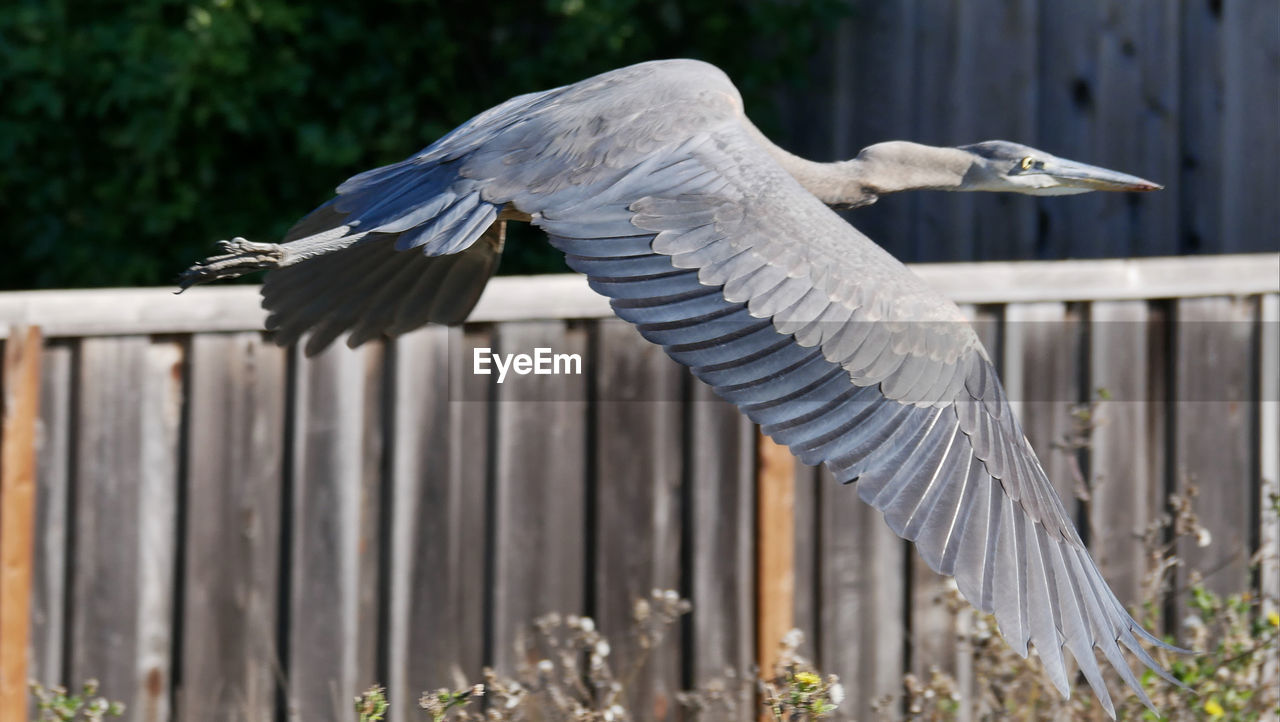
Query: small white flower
x=602 y=648
x=793 y=638
x=1203 y=537
x=836 y=693
x=588 y=624
x=671 y=596
x=546 y=667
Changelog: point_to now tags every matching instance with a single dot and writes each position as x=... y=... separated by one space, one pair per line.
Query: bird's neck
x=880 y=169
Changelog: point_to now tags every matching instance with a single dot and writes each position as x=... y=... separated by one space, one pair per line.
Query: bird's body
x=721 y=247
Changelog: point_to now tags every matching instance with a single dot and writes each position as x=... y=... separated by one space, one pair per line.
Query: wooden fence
x=1184 y=93
x=228 y=530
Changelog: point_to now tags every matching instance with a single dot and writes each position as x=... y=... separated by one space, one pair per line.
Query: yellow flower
x=1214 y=709
x=1273 y=618
x=808 y=679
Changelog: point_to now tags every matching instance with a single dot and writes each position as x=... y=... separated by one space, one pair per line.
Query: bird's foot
x=238 y=257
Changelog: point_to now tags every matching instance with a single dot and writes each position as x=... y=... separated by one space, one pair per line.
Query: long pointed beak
x=1090 y=177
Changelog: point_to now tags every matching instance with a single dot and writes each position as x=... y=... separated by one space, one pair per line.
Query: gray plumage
x=720 y=246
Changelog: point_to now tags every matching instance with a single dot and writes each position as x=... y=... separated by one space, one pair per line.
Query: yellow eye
x=1028 y=162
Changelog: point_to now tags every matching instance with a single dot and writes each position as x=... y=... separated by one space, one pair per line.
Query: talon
x=239 y=256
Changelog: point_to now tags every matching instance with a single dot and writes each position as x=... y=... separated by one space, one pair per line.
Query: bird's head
x=999 y=165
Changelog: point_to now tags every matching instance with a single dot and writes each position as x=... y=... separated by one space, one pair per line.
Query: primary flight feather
x=722 y=248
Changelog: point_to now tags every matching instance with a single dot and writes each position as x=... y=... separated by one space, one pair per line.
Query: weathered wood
x=1269 y=467
x=53 y=479
x=540 y=488
x=439 y=538
x=128 y=422
x=807 y=543
x=1247 y=85
x=335 y=554
x=96 y=312
x=1200 y=120
x=19 y=415
x=1126 y=488
x=1214 y=419
x=1137 y=113
x=1041 y=376
x=863 y=636
x=638 y=495
x=937 y=217
x=231 y=662
x=776 y=472
x=1067 y=99
x=721 y=462
x=1001 y=225
x=873 y=102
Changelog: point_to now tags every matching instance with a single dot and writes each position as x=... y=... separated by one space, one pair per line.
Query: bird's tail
x=399 y=247
x=372 y=289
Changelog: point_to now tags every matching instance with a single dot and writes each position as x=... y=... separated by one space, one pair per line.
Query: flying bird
x=723 y=248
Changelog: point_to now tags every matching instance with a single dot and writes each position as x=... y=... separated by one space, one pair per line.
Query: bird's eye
x=1027 y=163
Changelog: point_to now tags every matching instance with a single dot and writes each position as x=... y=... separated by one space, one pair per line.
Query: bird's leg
x=239 y=256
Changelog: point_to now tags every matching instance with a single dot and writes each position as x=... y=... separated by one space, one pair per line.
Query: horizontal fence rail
x=123 y=311
x=225 y=529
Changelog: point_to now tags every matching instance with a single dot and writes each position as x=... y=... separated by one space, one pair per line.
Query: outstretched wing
x=844 y=355
x=654 y=184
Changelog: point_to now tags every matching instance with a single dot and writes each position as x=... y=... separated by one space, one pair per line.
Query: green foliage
x=372 y=705
x=56 y=704
x=1230 y=678
x=137 y=134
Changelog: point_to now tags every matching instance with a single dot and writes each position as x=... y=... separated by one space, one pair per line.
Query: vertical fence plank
x=231 y=665
x=1067 y=105
x=804 y=566
x=1248 y=77
x=162 y=401
x=721 y=468
x=48 y=600
x=1269 y=467
x=1200 y=127
x=1041 y=376
x=776 y=478
x=128 y=420
x=540 y=488
x=1126 y=485
x=874 y=102
x=862 y=593
x=19 y=414
x=1137 y=108
x=935 y=216
x=637 y=505
x=995 y=68
x=334 y=554
x=439 y=540
x=1214 y=417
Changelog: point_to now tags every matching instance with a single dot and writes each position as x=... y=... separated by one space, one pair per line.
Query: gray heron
x=723 y=248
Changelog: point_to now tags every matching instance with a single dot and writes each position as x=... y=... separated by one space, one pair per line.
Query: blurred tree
x=136 y=134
